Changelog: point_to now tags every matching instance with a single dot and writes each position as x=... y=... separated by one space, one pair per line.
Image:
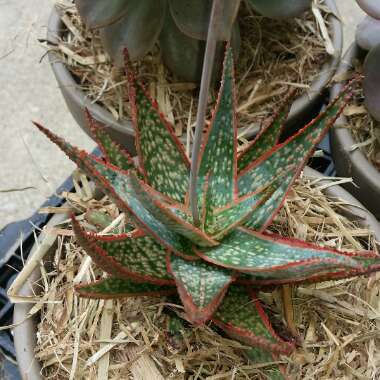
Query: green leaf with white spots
x=242 y=317
x=368 y=262
x=260 y=356
x=264 y=255
x=113 y=152
x=117 y=185
x=283 y=165
x=269 y=136
x=162 y=157
x=114 y=287
x=201 y=286
x=223 y=220
x=291 y=156
x=126 y=255
x=218 y=167
x=173 y=218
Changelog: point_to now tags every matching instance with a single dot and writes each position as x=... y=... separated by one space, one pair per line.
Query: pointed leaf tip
x=162 y=156
x=200 y=286
x=132 y=255
x=113 y=152
x=218 y=157
x=114 y=287
x=242 y=317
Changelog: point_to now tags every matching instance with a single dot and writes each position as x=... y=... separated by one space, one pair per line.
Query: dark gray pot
x=354 y=163
x=25 y=333
x=302 y=110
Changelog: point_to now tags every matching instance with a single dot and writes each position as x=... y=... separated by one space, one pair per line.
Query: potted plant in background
x=356 y=136
x=211 y=262
x=88 y=79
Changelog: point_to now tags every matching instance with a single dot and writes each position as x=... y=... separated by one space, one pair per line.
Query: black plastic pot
x=354 y=163
x=303 y=109
x=25 y=333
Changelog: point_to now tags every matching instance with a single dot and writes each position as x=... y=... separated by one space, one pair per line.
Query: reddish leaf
x=268 y=137
x=218 y=162
x=114 y=287
x=131 y=256
x=161 y=155
x=242 y=317
x=113 y=152
x=266 y=256
x=200 y=286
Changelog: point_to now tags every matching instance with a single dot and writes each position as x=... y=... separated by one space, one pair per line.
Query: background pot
x=25 y=333
x=354 y=163
x=303 y=109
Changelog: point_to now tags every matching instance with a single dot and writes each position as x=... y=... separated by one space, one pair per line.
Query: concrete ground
x=31 y=168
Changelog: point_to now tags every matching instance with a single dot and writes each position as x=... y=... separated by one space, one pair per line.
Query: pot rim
x=25 y=333
x=62 y=73
x=343 y=135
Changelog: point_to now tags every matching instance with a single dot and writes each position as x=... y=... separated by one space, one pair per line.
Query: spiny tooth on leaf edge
x=242 y=317
x=253 y=252
x=372 y=265
x=112 y=150
x=162 y=156
x=164 y=212
x=269 y=136
x=105 y=175
x=261 y=171
x=114 y=287
x=139 y=258
x=218 y=162
x=201 y=287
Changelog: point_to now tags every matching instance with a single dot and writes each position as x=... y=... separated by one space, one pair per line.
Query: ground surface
x=28 y=92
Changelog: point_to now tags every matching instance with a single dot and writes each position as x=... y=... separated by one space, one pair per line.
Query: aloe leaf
x=117 y=185
x=269 y=136
x=192 y=17
x=138 y=30
x=368 y=262
x=173 y=216
x=114 y=287
x=225 y=219
x=260 y=356
x=100 y=13
x=113 y=152
x=243 y=318
x=280 y=9
x=371 y=82
x=263 y=254
x=371 y=7
x=218 y=162
x=162 y=157
x=133 y=255
x=201 y=286
x=282 y=165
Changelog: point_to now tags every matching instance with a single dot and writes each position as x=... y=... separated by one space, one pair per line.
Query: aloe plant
x=215 y=267
x=180 y=26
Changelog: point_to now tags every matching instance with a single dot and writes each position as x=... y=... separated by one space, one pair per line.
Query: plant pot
x=354 y=163
x=303 y=109
x=25 y=332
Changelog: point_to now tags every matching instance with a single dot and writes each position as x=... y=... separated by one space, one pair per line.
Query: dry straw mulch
x=274 y=56
x=338 y=322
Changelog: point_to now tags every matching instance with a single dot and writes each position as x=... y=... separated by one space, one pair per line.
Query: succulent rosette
x=217 y=266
